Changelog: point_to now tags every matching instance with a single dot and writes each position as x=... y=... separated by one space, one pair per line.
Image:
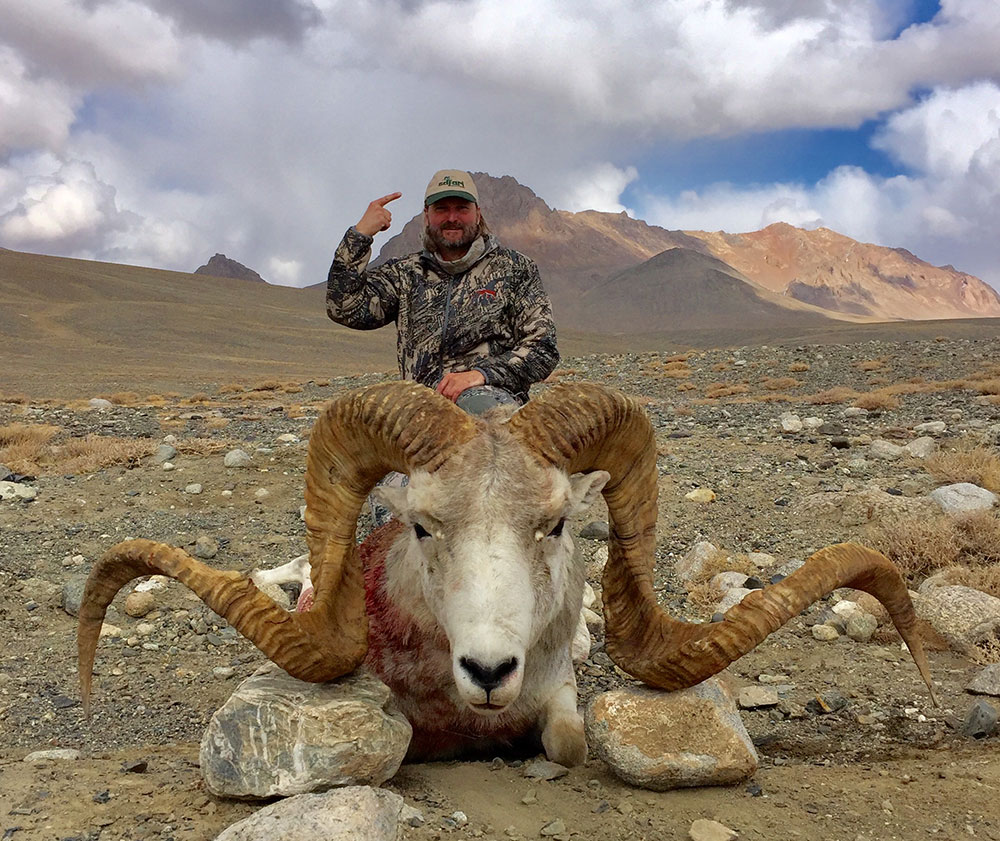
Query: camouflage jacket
x=494 y=317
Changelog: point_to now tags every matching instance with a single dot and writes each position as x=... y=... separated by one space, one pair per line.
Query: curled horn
x=357 y=439
x=583 y=427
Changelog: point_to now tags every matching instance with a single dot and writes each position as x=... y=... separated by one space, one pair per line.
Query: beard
x=435 y=241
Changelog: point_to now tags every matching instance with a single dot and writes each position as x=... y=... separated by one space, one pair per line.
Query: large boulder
x=665 y=740
x=279 y=736
x=965 y=617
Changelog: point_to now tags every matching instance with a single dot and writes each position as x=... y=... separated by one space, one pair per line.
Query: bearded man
x=469 y=313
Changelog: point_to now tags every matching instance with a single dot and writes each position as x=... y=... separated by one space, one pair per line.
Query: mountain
x=838 y=273
x=684 y=288
x=221 y=266
x=578 y=252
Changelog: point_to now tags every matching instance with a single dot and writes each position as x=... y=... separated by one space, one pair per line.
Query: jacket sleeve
x=356 y=296
x=535 y=355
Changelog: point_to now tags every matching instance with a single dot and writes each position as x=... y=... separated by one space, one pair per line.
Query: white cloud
x=598 y=188
x=36 y=112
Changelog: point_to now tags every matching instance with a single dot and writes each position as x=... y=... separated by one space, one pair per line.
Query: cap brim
x=444 y=194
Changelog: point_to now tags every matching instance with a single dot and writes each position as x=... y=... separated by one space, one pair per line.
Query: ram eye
x=420 y=531
x=557 y=529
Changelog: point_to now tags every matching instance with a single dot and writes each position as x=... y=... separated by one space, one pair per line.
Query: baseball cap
x=451 y=182
x=482 y=398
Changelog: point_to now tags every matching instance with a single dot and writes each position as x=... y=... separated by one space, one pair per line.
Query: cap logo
x=448 y=182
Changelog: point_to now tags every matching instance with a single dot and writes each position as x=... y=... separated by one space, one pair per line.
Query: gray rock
x=665 y=740
x=967 y=618
x=706 y=830
x=542 y=769
x=855 y=412
x=825 y=632
x=164 y=452
x=5 y=473
x=15 y=490
x=963 y=498
x=691 y=565
x=861 y=627
x=921 y=447
x=100 y=403
x=355 y=813
x=194 y=488
x=237 y=458
x=728 y=580
x=553 y=828
x=732 y=598
x=790 y=422
x=72 y=594
x=931 y=428
x=205 y=547
x=278 y=736
x=885 y=450
x=53 y=755
x=981 y=720
x=755 y=697
x=987 y=682
x=596 y=530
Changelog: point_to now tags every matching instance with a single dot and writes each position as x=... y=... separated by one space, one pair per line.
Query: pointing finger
x=382 y=202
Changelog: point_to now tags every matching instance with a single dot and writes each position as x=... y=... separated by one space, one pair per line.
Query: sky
x=159 y=132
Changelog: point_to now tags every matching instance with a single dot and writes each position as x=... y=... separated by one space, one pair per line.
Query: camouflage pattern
x=494 y=317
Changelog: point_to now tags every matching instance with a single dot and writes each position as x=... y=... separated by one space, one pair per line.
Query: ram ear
x=392 y=498
x=584 y=490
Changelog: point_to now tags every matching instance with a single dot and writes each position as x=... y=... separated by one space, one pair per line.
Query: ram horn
x=357 y=439
x=581 y=427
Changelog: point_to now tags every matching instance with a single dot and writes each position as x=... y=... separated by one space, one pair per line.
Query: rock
x=6 y=474
x=825 y=633
x=965 y=617
x=885 y=450
x=728 y=580
x=868 y=603
x=168 y=466
x=861 y=627
x=987 y=682
x=691 y=565
x=846 y=608
x=812 y=423
x=831 y=428
x=827 y=702
x=595 y=530
x=981 y=720
x=790 y=422
x=15 y=490
x=855 y=412
x=139 y=603
x=194 y=488
x=963 y=498
x=261 y=493
x=853 y=508
x=706 y=830
x=732 y=598
x=288 y=438
x=237 y=458
x=53 y=755
x=355 y=813
x=556 y=827
x=100 y=403
x=278 y=736
x=72 y=594
x=755 y=697
x=700 y=495
x=931 y=428
x=205 y=547
x=164 y=452
x=921 y=447
x=762 y=560
x=542 y=769
x=665 y=740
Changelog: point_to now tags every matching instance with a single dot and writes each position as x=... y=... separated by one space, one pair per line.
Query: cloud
x=240 y=21
x=597 y=188
x=36 y=112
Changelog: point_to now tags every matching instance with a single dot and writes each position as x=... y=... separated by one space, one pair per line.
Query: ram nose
x=493 y=682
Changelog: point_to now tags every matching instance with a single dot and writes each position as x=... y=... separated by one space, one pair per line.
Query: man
x=468 y=312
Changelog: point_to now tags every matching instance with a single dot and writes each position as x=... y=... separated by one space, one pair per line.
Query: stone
x=732 y=598
x=72 y=594
x=702 y=495
x=706 y=830
x=665 y=740
x=279 y=736
x=288 y=438
x=194 y=489
x=825 y=633
x=205 y=547
x=921 y=447
x=755 y=697
x=542 y=769
x=963 y=498
x=237 y=458
x=164 y=452
x=885 y=450
x=855 y=412
x=968 y=619
x=987 y=682
x=931 y=428
x=552 y=828
x=596 y=530
x=15 y=490
x=790 y=422
x=354 y=813
x=100 y=403
x=861 y=627
x=728 y=580
x=856 y=508
x=693 y=562
x=53 y=755
x=762 y=560
x=981 y=720
x=139 y=603
x=812 y=423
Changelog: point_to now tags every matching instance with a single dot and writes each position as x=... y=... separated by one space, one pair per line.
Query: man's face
x=452 y=223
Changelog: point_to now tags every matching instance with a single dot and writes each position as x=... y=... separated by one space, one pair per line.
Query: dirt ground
x=886 y=766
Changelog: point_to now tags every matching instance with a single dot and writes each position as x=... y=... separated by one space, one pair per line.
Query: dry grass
x=837 y=394
x=798 y=367
x=125 y=398
x=687 y=385
x=291 y=388
x=720 y=366
x=14 y=399
x=919 y=546
x=37 y=451
x=780 y=383
x=987 y=386
x=716 y=390
x=877 y=401
x=324 y=383
x=267 y=385
x=202 y=446
x=198 y=398
x=870 y=364
x=22 y=444
x=702 y=597
x=978 y=465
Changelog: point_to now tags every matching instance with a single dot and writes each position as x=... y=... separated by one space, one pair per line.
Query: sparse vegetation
x=876 y=401
x=837 y=394
x=978 y=465
x=36 y=450
x=871 y=364
x=717 y=390
x=798 y=367
x=780 y=383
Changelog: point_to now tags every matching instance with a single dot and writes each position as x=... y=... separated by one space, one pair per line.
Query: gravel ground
x=885 y=766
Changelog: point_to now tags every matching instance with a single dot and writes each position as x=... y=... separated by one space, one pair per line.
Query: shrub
x=231 y=388
x=919 y=546
x=876 y=401
x=837 y=394
x=716 y=390
x=798 y=367
x=978 y=465
x=780 y=383
x=870 y=364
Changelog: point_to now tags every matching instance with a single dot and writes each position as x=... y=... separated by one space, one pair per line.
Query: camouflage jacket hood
x=492 y=316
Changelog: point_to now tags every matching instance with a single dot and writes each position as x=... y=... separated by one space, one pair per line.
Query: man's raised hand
x=376 y=217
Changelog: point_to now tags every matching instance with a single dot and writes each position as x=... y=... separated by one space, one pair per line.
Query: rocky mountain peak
x=222 y=266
